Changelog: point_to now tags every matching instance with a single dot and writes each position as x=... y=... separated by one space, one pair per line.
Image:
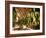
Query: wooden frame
x=7 y=18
